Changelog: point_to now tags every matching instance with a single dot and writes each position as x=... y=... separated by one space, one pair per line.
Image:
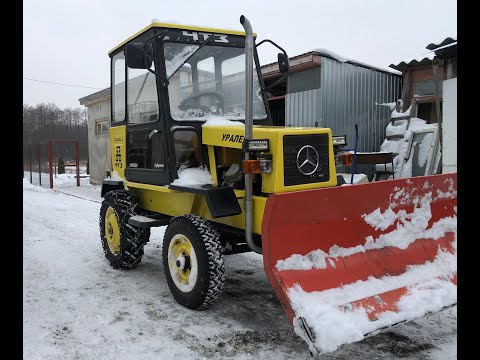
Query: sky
x=67 y=41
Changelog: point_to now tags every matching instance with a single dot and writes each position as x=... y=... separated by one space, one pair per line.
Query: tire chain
x=136 y=238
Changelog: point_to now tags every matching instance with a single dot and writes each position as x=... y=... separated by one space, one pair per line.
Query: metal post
x=437 y=102
x=30 y=151
x=50 y=171
x=77 y=162
x=55 y=161
x=39 y=165
x=249 y=131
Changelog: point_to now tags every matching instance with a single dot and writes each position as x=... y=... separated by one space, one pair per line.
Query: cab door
x=146 y=145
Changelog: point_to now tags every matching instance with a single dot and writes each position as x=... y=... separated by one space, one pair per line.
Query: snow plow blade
x=349 y=261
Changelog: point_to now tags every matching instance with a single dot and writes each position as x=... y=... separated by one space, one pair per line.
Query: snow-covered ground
x=77 y=307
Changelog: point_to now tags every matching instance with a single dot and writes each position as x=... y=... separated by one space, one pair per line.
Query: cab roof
x=181 y=27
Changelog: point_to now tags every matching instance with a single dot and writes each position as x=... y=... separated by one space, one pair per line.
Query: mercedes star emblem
x=307 y=160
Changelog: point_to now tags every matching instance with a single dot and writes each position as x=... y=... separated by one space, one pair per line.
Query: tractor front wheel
x=193 y=261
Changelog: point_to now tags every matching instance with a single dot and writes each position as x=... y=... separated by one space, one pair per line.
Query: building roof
x=447 y=46
x=86 y=100
x=447 y=41
x=332 y=55
x=182 y=27
x=415 y=62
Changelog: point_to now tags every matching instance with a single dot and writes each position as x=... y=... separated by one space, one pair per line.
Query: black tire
x=204 y=239
x=132 y=239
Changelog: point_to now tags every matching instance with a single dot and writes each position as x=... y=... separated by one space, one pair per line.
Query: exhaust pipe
x=248 y=131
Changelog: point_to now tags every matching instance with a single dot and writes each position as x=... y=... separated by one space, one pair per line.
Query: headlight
x=256 y=145
x=339 y=140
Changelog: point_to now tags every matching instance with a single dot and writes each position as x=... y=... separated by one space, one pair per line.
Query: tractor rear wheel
x=193 y=261
x=122 y=243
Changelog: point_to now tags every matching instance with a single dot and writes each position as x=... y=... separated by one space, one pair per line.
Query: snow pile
x=313 y=260
x=392 y=146
x=379 y=220
x=396 y=114
x=193 y=176
x=219 y=121
x=391 y=105
x=335 y=322
x=393 y=129
x=402 y=166
x=398 y=128
x=411 y=227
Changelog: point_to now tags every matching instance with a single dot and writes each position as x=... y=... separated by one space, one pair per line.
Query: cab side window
x=118 y=88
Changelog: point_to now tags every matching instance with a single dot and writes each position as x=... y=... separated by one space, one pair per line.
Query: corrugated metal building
x=326 y=90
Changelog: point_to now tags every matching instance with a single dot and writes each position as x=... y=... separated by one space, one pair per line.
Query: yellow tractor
x=193 y=148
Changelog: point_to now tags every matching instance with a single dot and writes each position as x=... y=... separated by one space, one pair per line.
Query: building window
x=101 y=127
x=304 y=80
x=426 y=87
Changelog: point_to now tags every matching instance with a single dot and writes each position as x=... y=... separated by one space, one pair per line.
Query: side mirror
x=283 y=64
x=137 y=57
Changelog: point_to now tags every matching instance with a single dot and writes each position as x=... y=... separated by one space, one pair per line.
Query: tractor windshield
x=209 y=80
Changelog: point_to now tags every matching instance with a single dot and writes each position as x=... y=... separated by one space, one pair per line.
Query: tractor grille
x=292 y=144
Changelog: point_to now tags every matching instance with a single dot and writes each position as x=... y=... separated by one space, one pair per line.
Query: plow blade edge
x=350 y=260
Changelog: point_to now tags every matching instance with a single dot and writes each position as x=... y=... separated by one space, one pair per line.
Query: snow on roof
x=447 y=41
x=333 y=55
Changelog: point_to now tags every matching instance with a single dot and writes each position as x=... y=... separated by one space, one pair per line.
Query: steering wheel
x=188 y=102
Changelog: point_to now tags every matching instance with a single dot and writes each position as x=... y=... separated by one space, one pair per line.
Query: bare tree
x=45 y=122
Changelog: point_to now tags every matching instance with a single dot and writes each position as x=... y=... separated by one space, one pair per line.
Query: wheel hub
x=182 y=263
x=112 y=232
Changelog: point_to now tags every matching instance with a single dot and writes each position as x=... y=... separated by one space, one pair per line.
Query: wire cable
x=54 y=83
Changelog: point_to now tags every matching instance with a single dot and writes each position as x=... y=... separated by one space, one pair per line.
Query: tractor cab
x=166 y=81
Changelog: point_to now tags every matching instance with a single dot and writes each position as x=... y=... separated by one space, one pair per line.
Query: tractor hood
x=232 y=136
x=285 y=146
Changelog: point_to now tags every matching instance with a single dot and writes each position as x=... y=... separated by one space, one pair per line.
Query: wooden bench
x=377 y=158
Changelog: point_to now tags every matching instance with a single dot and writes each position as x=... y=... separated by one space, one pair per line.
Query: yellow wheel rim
x=182 y=263
x=112 y=231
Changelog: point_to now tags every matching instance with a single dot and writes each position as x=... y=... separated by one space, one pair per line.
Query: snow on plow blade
x=348 y=261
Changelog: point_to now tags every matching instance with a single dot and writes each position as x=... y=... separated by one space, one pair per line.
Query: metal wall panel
x=303 y=108
x=347 y=96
